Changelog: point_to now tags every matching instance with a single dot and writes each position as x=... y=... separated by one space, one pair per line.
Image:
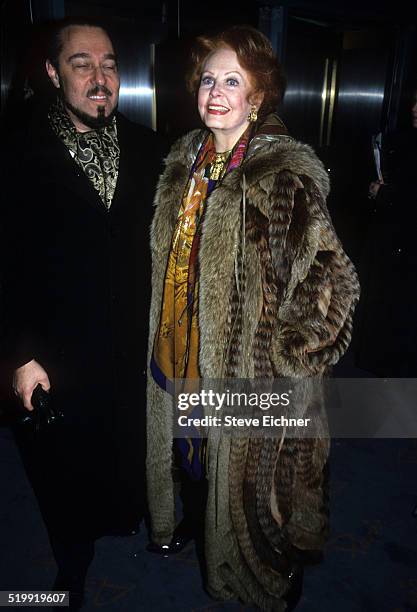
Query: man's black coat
x=76 y=293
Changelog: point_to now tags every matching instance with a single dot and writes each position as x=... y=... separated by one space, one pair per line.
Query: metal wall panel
x=362 y=79
x=15 y=24
x=310 y=53
x=136 y=64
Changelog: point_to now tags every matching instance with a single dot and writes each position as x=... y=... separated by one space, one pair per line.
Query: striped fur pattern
x=277 y=301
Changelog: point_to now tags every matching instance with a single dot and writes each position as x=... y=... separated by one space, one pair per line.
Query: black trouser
x=83 y=485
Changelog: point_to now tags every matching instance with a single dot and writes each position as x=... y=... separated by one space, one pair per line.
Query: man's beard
x=92 y=121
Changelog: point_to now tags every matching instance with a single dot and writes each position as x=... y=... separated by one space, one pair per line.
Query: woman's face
x=223 y=96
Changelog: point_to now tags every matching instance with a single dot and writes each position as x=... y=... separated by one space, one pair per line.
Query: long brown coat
x=275 y=300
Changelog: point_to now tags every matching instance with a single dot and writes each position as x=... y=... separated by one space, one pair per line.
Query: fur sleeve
x=322 y=288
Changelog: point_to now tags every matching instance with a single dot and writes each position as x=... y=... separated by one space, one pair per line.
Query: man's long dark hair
x=56 y=28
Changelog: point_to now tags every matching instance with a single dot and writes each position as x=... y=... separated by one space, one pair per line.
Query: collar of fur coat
x=270 y=151
x=268 y=155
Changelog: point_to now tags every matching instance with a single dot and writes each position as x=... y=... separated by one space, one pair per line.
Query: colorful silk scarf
x=97 y=152
x=175 y=354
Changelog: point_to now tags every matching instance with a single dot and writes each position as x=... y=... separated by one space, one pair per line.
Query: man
x=76 y=287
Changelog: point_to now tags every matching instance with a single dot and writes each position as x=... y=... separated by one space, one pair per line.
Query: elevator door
x=310 y=50
x=363 y=77
x=335 y=102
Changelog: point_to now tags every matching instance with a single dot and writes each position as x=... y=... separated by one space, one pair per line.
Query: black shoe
x=183 y=533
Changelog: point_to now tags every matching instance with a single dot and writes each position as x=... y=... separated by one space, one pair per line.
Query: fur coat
x=276 y=299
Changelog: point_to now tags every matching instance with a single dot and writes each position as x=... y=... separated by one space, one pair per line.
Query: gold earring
x=253 y=115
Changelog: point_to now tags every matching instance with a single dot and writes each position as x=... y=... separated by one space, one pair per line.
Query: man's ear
x=52 y=73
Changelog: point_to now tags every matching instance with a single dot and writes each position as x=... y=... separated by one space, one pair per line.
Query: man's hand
x=25 y=380
x=373 y=189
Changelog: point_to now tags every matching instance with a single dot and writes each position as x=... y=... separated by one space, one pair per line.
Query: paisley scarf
x=97 y=152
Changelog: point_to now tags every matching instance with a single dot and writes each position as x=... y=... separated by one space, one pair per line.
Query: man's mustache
x=98 y=90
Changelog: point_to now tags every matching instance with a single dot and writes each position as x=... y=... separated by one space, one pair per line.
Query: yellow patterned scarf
x=176 y=345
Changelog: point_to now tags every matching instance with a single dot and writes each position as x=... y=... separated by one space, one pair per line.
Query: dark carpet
x=370 y=561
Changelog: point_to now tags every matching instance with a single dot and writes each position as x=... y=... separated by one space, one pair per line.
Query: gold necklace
x=218 y=165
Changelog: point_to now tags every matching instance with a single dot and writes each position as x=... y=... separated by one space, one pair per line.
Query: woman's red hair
x=255 y=55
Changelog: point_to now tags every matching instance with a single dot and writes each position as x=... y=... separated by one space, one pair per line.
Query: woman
x=244 y=253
